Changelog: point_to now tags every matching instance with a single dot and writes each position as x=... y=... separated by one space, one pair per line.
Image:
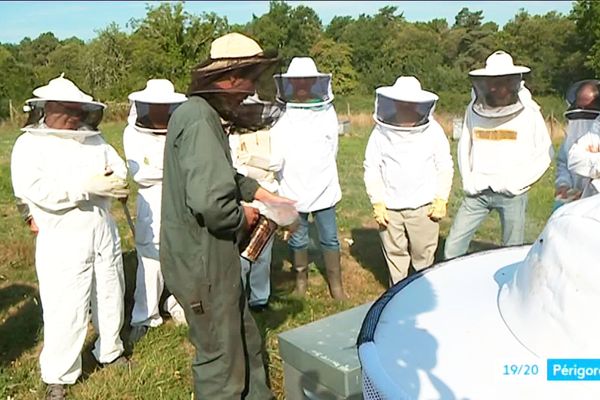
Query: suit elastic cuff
x=248 y=190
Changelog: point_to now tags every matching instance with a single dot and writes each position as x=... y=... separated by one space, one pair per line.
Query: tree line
x=362 y=53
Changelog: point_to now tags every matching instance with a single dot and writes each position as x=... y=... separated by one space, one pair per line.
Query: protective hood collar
x=79 y=134
x=406 y=93
x=299 y=70
x=62 y=90
x=401 y=131
x=524 y=100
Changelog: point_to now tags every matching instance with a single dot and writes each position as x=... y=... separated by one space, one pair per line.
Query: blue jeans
x=326 y=226
x=473 y=211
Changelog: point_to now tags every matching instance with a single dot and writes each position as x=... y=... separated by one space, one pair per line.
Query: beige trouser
x=410 y=236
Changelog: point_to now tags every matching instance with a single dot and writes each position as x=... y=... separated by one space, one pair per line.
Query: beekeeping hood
x=65 y=95
x=498 y=87
x=583 y=98
x=237 y=68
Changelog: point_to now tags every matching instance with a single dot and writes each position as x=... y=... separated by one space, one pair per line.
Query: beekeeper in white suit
x=584 y=154
x=584 y=106
x=254 y=154
x=308 y=132
x=144 y=143
x=503 y=150
x=67 y=174
x=408 y=175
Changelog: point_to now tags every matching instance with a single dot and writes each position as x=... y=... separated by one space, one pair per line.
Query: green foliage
x=363 y=53
x=541 y=42
x=293 y=31
x=586 y=14
x=335 y=59
x=169 y=42
x=369 y=38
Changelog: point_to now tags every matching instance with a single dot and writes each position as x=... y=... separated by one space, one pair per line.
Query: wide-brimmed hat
x=488 y=325
x=499 y=63
x=233 y=53
x=407 y=88
x=406 y=94
x=158 y=91
x=63 y=90
x=302 y=67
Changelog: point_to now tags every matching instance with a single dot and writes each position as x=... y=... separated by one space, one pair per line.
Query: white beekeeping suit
x=255 y=155
x=61 y=167
x=144 y=143
x=503 y=150
x=408 y=173
x=584 y=106
x=308 y=133
x=584 y=159
x=401 y=161
x=505 y=153
x=309 y=173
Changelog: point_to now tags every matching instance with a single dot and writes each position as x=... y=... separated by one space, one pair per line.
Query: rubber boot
x=55 y=392
x=334 y=274
x=300 y=261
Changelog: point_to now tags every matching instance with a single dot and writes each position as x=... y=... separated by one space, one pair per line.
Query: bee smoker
x=260 y=236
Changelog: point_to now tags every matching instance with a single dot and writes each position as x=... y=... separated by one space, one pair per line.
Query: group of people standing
x=210 y=162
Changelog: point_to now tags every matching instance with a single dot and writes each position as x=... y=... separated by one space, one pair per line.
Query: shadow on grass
x=366 y=250
x=282 y=304
x=19 y=332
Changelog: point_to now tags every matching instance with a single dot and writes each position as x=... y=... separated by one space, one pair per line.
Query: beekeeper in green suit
x=202 y=218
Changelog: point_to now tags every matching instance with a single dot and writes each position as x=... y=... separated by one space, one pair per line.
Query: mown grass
x=161 y=361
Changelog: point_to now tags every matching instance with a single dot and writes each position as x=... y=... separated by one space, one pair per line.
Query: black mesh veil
x=226 y=83
x=583 y=98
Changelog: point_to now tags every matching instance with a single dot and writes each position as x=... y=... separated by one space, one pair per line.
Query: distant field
x=161 y=368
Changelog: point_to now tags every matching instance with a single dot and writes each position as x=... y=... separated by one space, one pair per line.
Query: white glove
x=107 y=186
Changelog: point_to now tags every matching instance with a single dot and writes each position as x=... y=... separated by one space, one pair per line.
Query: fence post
x=10 y=111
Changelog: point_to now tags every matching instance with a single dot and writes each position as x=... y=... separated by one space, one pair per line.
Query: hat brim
x=298 y=75
x=421 y=96
x=148 y=97
x=56 y=99
x=440 y=334
x=516 y=69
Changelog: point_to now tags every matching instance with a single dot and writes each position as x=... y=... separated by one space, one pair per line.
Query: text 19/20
x=520 y=369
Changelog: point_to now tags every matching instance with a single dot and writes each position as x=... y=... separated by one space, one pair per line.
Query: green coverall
x=201 y=214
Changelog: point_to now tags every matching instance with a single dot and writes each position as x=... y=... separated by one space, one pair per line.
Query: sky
x=20 y=19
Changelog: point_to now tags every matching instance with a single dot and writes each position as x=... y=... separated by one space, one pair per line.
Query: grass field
x=161 y=361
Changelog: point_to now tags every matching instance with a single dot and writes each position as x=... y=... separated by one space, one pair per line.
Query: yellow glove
x=380 y=214
x=437 y=209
